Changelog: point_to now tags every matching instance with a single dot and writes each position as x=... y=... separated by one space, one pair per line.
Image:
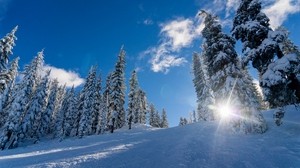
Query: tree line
x=36 y=106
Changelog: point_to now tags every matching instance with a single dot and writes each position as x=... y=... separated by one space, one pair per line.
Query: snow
x=202 y=144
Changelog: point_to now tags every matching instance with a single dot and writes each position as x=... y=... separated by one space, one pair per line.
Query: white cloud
x=180 y=32
x=279 y=11
x=174 y=36
x=63 y=76
x=231 y=5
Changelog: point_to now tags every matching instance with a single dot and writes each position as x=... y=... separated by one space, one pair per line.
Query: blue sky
x=159 y=38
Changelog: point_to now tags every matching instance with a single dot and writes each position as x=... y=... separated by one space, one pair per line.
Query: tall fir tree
x=205 y=96
x=13 y=129
x=102 y=120
x=108 y=100
x=142 y=106
x=152 y=115
x=164 y=119
x=6 y=45
x=37 y=107
x=85 y=123
x=48 y=116
x=227 y=79
x=6 y=97
x=132 y=116
x=118 y=89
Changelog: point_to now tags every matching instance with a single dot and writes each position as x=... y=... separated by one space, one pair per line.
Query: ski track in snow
x=195 y=145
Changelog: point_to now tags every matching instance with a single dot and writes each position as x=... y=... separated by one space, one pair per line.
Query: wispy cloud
x=279 y=10
x=174 y=35
x=63 y=76
x=148 y=22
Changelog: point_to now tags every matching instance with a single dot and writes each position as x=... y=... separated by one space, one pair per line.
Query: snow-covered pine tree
x=49 y=114
x=251 y=26
x=152 y=115
x=96 y=113
x=227 y=79
x=142 y=106
x=132 y=111
x=36 y=107
x=12 y=129
x=157 y=120
x=281 y=73
x=204 y=94
x=61 y=116
x=118 y=89
x=6 y=97
x=182 y=121
x=85 y=123
x=108 y=100
x=70 y=113
x=96 y=107
x=164 y=119
x=102 y=109
x=58 y=114
x=6 y=45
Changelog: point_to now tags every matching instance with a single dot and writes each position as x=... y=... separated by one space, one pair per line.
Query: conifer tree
x=108 y=100
x=132 y=111
x=18 y=109
x=142 y=106
x=58 y=115
x=6 y=97
x=152 y=115
x=69 y=110
x=85 y=123
x=6 y=45
x=281 y=75
x=49 y=117
x=227 y=79
x=204 y=94
x=164 y=120
x=118 y=89
x=36 y=107
x=102 y=120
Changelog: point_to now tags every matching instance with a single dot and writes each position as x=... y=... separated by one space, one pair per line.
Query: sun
x=225 y=111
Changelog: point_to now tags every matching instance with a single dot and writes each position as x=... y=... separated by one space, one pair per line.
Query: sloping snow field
x=195 y=145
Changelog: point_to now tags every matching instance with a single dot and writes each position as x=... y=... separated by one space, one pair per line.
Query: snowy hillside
x=196 y=145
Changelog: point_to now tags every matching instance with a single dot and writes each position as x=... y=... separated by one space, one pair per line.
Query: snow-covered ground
x=196 y=145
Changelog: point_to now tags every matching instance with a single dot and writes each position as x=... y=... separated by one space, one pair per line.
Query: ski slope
x=196 y=145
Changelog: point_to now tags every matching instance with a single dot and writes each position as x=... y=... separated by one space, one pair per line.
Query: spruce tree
x=142 y=106
x=204 y=94
x=108 y=100
x=227 y=79
x=70 y=113
x=118 y=89
x=281 y=75
x=37 y=107
x=101 y=125
x=6 y=45
x=49 y=117
x=152 y=115
x=164 y=119
x=13 y=129
x=132 y=111
x=85 y=123
x=6 y=97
